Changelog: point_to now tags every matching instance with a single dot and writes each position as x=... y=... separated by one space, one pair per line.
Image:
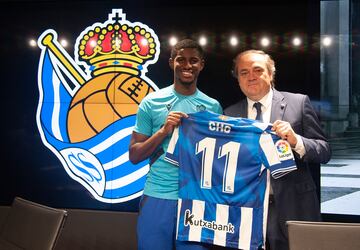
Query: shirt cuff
x=299 y=147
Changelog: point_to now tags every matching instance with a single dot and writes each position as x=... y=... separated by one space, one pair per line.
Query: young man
x=159 y=113
x=293 y=196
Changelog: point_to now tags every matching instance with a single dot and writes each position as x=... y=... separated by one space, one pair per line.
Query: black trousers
x=275 y=237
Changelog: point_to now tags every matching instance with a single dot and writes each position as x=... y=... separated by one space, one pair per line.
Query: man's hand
x=142 y=146
x=284 y=130
x=172 y=121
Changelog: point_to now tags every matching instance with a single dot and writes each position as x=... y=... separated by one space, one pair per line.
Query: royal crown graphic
x=87 y=106
x=117 y=47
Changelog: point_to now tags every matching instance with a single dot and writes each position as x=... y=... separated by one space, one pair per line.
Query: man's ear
x=271 y=78
x=202 y=64
x=171 y=63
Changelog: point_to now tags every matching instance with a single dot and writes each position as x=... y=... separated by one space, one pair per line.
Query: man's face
x=186 y=65
x=253 y=76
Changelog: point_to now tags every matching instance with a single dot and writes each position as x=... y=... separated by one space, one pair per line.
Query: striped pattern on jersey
x=223 y=187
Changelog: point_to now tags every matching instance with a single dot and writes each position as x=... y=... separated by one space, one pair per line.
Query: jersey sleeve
x=278 y=156
x=172 y=152
x=218 y=109
x=143 y=124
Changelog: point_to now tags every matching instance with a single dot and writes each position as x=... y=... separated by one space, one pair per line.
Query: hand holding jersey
x=172 y=120
x=285 y=131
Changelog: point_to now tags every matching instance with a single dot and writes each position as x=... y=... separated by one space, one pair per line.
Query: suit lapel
x=243 y=108
x=278 y=107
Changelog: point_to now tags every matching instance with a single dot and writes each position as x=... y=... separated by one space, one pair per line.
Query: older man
x=294 y=196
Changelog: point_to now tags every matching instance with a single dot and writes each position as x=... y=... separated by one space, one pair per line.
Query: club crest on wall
x=87 y=105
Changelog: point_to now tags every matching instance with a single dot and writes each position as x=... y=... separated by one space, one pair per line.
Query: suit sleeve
x=316 y=146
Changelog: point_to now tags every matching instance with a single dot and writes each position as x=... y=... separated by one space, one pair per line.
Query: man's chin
x=187 y=83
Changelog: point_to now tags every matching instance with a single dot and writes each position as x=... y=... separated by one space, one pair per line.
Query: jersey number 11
x=230 y=150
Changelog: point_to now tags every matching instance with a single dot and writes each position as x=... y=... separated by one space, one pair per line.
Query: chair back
x=31 y=226
x=304 y=235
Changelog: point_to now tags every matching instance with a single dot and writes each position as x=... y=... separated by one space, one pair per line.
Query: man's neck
x=184 y=89
x=264 y=100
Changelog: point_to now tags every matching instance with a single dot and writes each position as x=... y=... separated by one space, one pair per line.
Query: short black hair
x=187 y=44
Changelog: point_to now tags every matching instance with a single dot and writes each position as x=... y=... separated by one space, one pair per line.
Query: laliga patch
x=284 y=150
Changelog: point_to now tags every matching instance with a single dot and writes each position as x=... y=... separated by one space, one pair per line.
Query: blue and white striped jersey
x=223 y=185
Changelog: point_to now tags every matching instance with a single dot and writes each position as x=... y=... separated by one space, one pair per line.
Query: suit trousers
x=275 y=237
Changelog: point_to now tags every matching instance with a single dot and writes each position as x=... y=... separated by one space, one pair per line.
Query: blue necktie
x=257 y=106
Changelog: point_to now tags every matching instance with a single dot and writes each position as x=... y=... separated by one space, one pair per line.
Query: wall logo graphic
x=87 y=105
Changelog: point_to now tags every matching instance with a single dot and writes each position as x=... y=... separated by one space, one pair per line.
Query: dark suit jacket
x=295 y=194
